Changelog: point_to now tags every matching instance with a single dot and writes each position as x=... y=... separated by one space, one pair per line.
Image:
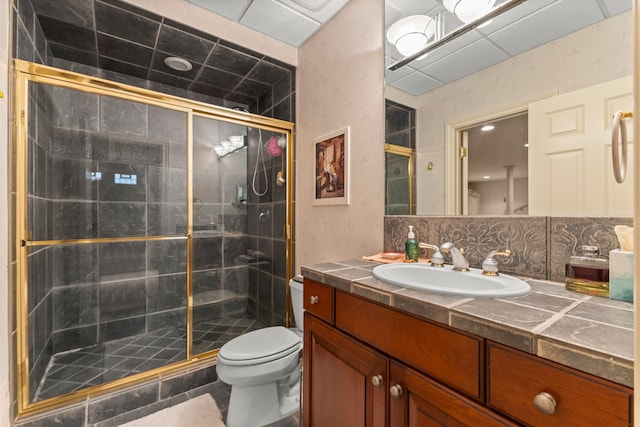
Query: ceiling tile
x=122 y=50
x=416 y=83
x=231 y=60
x=120 y=23
x=280 y=22
x=169 y=79
x=230 y=9
x=185 y=45
x=392 y=76
x=74 y=12
x=324 y=10
x=158 y=64
x=557 y=20
x=267 y=73
x=465 y=61
x=62 y=32
x=211 y=76
x=521 y=11
x=131 y=8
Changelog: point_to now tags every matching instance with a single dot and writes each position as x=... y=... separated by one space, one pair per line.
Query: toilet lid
x=261 y=345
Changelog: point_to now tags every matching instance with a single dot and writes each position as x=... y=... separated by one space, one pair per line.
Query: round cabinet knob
x=545 y=403
x=313 y=299
x=377 y=380
x=396 y=391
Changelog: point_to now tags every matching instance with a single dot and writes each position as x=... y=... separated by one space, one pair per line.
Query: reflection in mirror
x=497 y=170
x=400 y=142
x=499 y=69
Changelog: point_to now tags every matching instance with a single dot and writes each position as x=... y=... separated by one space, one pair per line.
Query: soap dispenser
x=587 y=272
x=411 y=246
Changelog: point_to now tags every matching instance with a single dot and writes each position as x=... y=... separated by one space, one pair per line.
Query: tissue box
x=621 y=275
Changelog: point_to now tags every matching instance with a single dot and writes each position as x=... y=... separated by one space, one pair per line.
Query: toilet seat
x=260 y=346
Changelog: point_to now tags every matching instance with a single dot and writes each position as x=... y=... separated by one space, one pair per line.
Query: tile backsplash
x=540 y=245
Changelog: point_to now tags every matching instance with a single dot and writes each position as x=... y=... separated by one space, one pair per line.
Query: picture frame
x=331 y=168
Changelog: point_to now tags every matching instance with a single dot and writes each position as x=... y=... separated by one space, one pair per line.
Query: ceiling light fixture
x=469 y=10
x=487 y=128
x=178 y=64
x=411 y=34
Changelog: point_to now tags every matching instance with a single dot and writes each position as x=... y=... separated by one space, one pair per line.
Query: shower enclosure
x=149 y=231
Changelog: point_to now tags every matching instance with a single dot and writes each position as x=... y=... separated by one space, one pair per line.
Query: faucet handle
x=437 y=260
x=490 y=265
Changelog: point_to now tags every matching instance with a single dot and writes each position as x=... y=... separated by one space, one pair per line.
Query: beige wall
x=593 y=55
x=340 y=83
x=5 y=401
x=203 y=20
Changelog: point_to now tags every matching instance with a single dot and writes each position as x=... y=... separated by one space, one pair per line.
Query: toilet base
x=257 y=405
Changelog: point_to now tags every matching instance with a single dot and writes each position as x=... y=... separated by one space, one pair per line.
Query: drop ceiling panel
x=230 y=9
x=550 y=23
x=521 y=11
x=416 y=84
x=278 y=21
x=465 y=61
x=448 y=49
x=320 y=11
x=392 y=76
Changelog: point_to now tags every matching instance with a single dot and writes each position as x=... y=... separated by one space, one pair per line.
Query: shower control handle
x=377 y=380
x=313 y=299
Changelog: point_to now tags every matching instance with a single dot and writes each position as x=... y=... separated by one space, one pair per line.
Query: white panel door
x=570 y=171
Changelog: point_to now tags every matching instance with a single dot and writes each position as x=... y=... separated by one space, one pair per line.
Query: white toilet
x=263 y=370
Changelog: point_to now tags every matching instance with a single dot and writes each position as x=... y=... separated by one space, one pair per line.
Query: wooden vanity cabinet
x=366 y=364
x=572 y=398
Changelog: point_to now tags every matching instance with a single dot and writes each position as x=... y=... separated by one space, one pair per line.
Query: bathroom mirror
x=498 y=70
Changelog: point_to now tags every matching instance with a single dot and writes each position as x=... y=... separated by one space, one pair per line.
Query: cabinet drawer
x=453 y=357
x=318 y=300
x=514 y=379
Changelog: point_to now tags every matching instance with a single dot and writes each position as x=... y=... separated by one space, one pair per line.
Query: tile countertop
x=588 y=333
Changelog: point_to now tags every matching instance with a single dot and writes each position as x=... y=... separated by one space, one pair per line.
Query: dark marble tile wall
x=541 y=245
x=29 y=41
x=266 y=210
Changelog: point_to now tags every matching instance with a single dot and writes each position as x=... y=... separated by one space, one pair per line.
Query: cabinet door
x=338 y=386
x=417 y=401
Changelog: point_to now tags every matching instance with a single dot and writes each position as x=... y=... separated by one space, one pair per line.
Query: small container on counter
x=587 y=272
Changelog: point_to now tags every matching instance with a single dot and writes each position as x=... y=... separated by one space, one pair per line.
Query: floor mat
x=201 y=411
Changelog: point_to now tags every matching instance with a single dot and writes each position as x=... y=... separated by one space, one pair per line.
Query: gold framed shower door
x=26 y=72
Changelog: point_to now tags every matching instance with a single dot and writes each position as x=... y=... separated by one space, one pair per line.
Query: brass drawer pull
x=396 y=391
x=377 y=380
x=313 y=299
x=545 y=402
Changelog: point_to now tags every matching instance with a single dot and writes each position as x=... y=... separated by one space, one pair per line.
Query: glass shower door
x=106 y=186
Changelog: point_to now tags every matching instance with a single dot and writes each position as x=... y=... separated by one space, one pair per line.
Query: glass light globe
x=469 y=10
x=411 y=34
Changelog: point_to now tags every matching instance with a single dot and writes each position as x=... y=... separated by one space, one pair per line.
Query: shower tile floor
x=78 y=369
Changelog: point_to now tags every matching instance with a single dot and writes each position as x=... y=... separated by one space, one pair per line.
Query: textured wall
x=340 y=83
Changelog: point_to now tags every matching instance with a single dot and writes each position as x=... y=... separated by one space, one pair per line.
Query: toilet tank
x=296 y=301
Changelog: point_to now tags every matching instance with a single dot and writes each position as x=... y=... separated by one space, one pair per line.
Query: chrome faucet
x=437 y=260
x=490 y=265
x=460 y=263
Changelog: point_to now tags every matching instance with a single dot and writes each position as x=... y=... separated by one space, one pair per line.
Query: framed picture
x=332 y=168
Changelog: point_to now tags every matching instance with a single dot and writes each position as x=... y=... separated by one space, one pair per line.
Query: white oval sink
x=444 y=280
